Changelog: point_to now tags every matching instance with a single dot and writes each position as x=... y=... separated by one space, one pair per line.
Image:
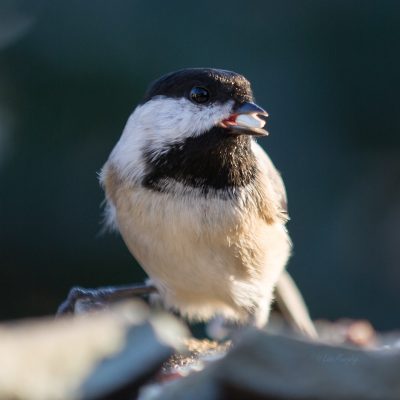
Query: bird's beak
x=247 y=119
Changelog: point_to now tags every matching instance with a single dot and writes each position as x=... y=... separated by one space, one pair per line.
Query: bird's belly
x=204 y=256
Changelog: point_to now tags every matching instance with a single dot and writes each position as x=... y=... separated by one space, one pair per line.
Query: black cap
x=222 y=85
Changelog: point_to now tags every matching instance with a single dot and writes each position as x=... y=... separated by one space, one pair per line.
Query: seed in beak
x=250 y=120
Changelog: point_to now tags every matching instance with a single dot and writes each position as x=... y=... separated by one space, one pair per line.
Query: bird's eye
x=199 y=95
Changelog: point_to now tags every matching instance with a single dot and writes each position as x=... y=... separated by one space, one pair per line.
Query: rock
x=264 y=366
x=96 y=356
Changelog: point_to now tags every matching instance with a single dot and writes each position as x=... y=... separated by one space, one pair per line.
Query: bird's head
x=192 y=101
x=186 y=104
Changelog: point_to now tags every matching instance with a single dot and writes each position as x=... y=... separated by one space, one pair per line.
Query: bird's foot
x=81 y=300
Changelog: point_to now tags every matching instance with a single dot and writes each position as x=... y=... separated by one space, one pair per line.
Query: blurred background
x=327 y=73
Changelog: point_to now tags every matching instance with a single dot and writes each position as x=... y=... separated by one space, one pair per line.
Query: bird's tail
x=292 y=305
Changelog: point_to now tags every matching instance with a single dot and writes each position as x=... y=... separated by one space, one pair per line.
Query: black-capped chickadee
x=199 y=203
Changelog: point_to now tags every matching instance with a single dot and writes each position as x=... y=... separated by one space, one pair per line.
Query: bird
x=199 y=203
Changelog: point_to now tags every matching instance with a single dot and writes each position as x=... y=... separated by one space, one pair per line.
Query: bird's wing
x=288 y=297
x=274 y=178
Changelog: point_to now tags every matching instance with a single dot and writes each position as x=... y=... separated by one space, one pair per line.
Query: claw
x=81 y=300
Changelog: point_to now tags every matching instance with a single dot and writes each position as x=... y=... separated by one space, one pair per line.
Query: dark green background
x=326 y=71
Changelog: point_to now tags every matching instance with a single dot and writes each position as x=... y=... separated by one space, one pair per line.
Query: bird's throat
x=214 y=160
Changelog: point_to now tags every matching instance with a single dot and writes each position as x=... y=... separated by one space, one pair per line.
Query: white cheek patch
x=163 y=121
x=177 y=119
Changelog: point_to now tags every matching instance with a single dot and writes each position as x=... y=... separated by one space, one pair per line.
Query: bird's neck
x=214 y=160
